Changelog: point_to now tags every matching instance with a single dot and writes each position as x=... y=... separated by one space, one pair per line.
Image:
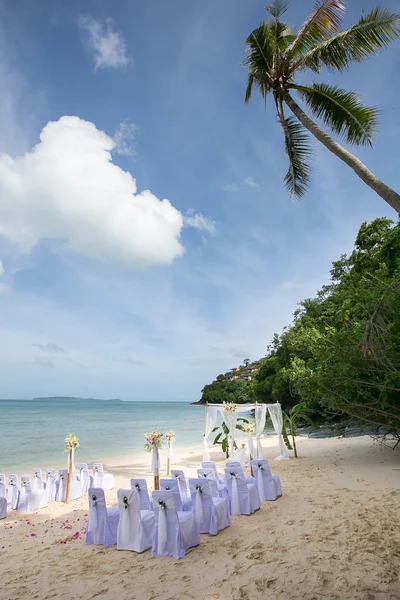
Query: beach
x=333 y=534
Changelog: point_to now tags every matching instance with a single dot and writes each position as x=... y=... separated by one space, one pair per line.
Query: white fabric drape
x=170 y=453
x=250 y=446
x=275 y=411
x=211 y=421
x=260 y=414
x=235 y=497
x=230 y=420
x=260 y=483
x=162 y=522
x=155 y=461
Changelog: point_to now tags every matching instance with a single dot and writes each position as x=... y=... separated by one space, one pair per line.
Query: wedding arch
x=217 y=413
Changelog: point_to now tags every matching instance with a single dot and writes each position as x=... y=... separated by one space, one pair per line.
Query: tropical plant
x=223 y=436
x=275 y=55
x=291 y=420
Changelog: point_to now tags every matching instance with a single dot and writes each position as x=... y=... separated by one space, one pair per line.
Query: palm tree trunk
x=384 y=191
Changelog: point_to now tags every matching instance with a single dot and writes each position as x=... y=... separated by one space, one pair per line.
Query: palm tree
x=275 y=55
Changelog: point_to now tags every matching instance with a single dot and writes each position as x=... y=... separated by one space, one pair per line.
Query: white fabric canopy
x=217 y=412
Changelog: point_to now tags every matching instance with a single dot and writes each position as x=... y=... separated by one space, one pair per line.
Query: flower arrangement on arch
x=229 y=407
x=153 y=440
x=249 y=427
x=71 y=442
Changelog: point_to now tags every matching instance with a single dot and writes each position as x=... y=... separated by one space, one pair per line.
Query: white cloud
x=198 y=221
x=68 y=188
x=2 y=271
x=231 y=187
x=51 y=348
x=107 y=44
x=123 y=139
x=250 y=182
x=291 y=285
x=236 y=187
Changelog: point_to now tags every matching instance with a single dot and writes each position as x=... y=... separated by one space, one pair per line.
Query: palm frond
x=373 y=33
x=341 y=111
x=260 y=50
x=277 y=8
x=298 y=151
x=323 y=22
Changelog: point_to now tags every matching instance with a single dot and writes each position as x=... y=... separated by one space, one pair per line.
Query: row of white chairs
x=29 y=496
x=170 y=521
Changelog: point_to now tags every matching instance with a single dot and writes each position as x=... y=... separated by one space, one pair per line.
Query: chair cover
x=85 y=479
x=102 y=526
x=239 y=469
x=144 y=499
x=39 y=487
x=268 y=484
x=135 y=527
x=175 y=532
x=3 y=507
x=243 y=496
x=13 y=491
x=182 y=503
x=212 y=513
x=209 y=464
x=30 y=499
x=183 y=485
x=3 y=488
x=61 y=486
x=101 y=479
x=217 y=487
x=38 y=482
x=51 y=486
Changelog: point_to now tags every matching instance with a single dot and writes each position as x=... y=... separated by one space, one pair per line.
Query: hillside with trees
x=341 y=353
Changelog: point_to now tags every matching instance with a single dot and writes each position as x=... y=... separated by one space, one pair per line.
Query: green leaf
x=285 y=437
x=341 y=111
x=323 y=22
x=298 y=151
x=372 y=34
x=260 y=50
x=216 y=441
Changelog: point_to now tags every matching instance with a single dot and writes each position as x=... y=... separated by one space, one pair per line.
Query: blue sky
x=106 y=290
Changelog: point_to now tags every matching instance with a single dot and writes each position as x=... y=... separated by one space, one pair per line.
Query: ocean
x=32 y=432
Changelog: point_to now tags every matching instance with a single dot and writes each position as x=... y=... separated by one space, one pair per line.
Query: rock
x=322 y=432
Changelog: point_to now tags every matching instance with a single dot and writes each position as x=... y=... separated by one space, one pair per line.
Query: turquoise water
x=32 y=432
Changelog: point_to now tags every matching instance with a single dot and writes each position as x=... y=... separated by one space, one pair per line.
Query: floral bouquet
x=71 y=442
x=170 y=436
x=154 y=440
x=229 y=407
x=249 y=427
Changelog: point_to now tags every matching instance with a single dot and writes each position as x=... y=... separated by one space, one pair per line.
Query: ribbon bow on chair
x=162 y=521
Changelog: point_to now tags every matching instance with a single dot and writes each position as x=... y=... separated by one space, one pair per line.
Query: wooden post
x=168 y=466
x=156 y=482
x=68 y=477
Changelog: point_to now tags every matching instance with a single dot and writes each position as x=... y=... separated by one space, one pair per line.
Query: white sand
x=333 y=534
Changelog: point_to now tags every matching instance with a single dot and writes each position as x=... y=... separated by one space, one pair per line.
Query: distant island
x=66 y=398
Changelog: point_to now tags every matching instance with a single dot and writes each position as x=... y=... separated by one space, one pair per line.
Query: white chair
x=135 y=526
x=175 y=532
x=3 y=487
x=3 y=507
x=235 y=466
x=266 y=484
x=217 y=487
x=101 y=479
x=40 y=488
x=85 y=479
x=212 y=513
x=183 y=484
x=61 y=485
x=144 y=499
x=13 y=491
x=209 y=464
x=51 y=484
x=243 y=496
x=30 y=499
x=267 y=473
x=102 y=526
x=182 y=503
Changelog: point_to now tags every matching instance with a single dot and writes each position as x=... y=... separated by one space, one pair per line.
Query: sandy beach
x=333 y=534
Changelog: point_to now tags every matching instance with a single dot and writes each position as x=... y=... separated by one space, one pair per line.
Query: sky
x=147 y=243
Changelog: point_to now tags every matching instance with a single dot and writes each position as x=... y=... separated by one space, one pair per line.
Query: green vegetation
x=276 y=56
x=341 y=354
x=298 y=415
x=222 y=437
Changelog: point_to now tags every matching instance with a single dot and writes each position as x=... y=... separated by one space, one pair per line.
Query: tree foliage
x=221 y=390
x=342 y=351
